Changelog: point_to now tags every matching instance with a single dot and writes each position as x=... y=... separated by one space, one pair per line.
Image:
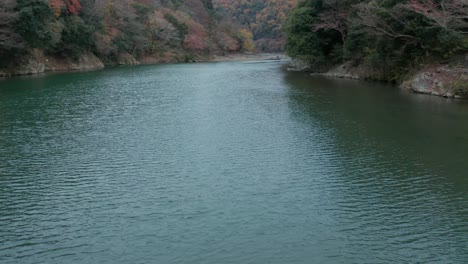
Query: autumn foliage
x=264 y=19
x=70 y=6
x=112 y=29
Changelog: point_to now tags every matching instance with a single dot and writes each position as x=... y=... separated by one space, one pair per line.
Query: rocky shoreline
x=37 y=62
x=444 y=80
x=249 y=56
x=448 y=80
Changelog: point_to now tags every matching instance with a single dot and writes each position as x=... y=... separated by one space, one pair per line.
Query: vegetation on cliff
x=390 y=35
x=112 y=29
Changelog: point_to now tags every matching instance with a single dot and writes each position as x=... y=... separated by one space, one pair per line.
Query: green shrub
x=34 y=17
x=460 y=86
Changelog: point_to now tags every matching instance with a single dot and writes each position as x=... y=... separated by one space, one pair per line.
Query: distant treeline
x=264 y=18
x=392 y=34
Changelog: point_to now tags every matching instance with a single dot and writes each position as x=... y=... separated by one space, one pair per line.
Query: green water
x=236 y=162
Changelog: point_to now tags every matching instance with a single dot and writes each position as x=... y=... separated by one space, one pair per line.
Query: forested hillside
x=117 y=30
x=390 y=37
x=264 y=18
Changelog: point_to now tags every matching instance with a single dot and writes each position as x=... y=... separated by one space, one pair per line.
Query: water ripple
x=228 y=163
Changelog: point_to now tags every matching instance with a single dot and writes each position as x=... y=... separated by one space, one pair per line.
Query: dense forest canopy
x=394 y=35
x=108 y=28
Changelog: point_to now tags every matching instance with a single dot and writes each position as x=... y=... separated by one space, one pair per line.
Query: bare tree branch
x=369 y=17
x=451 y=15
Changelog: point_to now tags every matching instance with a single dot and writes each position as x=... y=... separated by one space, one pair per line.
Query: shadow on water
x=403 y=158
x=388 y=120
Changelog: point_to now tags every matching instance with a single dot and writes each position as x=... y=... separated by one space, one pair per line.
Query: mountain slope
x=264 y=18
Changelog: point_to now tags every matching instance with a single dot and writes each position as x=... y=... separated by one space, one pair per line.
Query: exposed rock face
x=440 y=80
x=37 y=62
x=345 y=70
x=356 y=71
x=87 y=61
x=126 y=59
x=298 y=65
x=29 y=66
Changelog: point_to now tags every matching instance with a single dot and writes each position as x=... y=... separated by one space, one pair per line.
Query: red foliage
x=197 y=37
x=227 y=42
x=271 y=45
x=194 y=42
x=72 y=6
x=56 y=6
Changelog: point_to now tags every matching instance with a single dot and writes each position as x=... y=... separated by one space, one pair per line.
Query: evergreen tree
x=33 y=23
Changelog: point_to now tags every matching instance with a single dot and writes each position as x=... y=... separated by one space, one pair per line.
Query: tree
x=9 y=40
x=265 y=19
x=194 y=42
x=76 y=37
x=374 y=19
x=70 y=6
x=34 y=17
x=451 y=15
x=334 y=16
x=162 y=33
x=245 y=38
x=302 y=42
x=390 y=35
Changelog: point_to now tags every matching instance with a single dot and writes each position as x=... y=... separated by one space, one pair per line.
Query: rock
x=345 y=70
x=298 y=65
x=30 y=66
x=37 y=62
x=87 y=61
x=439 y=80
x=125 y=58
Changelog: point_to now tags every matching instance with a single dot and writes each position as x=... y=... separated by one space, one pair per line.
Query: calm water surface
x=235 y=162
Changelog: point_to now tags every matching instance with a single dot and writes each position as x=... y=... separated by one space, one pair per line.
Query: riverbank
x=36 y=62
x=249 y=56
x=448 y=80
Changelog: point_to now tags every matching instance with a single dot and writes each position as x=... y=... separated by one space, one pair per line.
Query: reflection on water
x=228 y=163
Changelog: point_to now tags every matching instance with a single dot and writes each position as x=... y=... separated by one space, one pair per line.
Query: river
x=230 y=162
